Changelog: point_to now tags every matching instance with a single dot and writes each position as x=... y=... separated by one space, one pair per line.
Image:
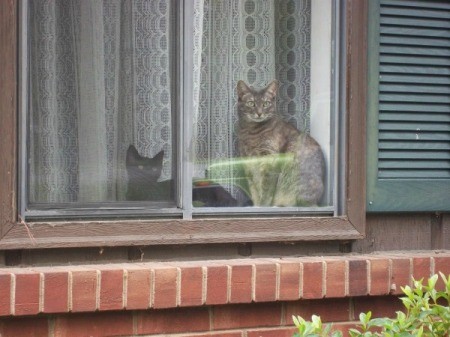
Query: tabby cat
x=285 y=167
x=143 y=175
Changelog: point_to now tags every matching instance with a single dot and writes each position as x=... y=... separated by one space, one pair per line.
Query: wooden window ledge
x=134 y=286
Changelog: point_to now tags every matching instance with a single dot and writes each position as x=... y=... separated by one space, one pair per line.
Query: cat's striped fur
x=290 y=166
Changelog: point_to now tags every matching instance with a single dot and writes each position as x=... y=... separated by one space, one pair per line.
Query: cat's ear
x=272 y=88
x=132 y=155
x=159 y=156
x=242 y=88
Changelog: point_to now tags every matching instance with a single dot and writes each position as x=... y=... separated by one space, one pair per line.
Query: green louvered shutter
x=409 y=106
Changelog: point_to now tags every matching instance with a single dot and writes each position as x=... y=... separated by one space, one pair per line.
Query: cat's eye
x=266 y=104
x=250 y=104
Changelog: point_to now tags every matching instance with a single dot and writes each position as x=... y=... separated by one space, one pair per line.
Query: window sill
x=140 y=286
x=156 y=232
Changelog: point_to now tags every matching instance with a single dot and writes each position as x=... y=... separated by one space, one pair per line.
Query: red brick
x=84 y=290
x=217 y=285
x=138 y=289
x=335 y=278
x=191 y=286
x=182 y=320
x=330 y=310
x=27 y=294
x=29 y=327
x=279 y=332
x=56 y=291
x=5 y=294
x=289 y=281
x=265 y=282
x=441 y=264
x=401 y=275
x=421 y=268
x=94 y=324
x=246 y=316
x=241 y=284
x=379 y=277
x=357 y=277
x=380 y=306
x=165 y=288
x=111 y=290
x=312 y=280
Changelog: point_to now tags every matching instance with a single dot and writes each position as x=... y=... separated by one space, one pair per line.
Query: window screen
x=105 y=117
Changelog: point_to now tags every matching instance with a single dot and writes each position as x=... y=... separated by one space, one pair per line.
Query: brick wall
x=245 y=297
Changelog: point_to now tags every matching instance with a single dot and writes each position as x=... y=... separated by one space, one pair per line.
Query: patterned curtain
x=100 y=80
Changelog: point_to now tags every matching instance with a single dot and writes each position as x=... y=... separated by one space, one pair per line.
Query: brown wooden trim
x=218 y=230
x=356 y=90
x=152 y=232
x=8 y=107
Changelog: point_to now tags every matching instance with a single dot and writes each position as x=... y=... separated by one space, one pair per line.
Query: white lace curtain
x=102 y=78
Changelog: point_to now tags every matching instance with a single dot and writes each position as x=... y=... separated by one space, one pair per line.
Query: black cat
x=143 y=175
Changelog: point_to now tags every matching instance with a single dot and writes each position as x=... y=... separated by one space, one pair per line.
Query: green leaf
x=336 y=334
x=317 y=322
x=380 y=322
x=419 y=332
x=407 y=302
x=432 y=281
x=365 y=317
x=354 y=332
x=295 y=320
x=326 y=329
x=408 y=292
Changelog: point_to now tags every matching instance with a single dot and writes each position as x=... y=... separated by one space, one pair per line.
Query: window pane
x=100 y=101
x=253 y=135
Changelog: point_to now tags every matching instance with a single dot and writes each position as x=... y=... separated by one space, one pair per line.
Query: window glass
x=263 y=115
x=101 y=104
x=107 y=117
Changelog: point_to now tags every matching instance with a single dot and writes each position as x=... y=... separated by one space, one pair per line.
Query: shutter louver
x=408 y=135
x=414 y=90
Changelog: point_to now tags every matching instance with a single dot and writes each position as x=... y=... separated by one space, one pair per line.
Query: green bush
x=427 y=313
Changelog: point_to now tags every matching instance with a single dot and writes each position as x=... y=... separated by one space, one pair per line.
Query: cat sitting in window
x=143 y=175
x=285 y=167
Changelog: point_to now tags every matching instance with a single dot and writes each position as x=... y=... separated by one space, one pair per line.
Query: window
x=104 y=126
x=88 y=93
x=409 y=106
